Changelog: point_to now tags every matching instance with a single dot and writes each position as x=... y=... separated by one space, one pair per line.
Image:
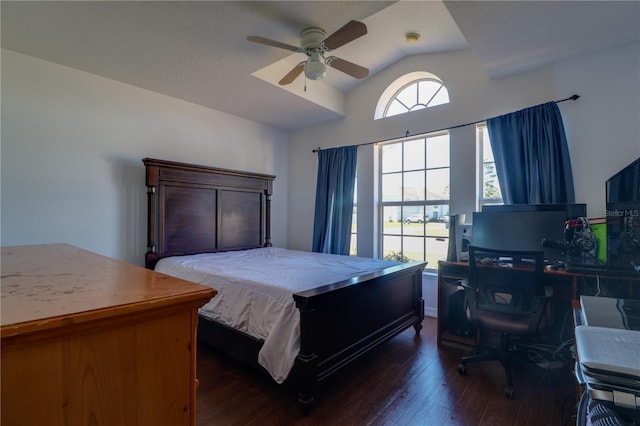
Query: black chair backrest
x=506 y=281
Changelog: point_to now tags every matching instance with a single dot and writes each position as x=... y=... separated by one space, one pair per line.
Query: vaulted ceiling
x=198 y=51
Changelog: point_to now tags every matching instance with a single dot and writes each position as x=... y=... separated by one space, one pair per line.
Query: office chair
x=505 y=293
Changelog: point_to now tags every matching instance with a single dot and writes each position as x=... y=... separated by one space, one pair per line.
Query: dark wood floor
x=406 y=381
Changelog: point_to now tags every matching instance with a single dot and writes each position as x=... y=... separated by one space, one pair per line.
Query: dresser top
x=49 y=286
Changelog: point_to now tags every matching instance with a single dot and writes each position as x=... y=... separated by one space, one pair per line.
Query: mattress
x=255 y=292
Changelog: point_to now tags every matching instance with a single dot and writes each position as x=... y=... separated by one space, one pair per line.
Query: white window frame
x=481 y=135
x=399 y=85
x=442 y=203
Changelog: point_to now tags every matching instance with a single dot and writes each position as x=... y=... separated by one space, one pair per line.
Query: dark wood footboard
x=338 y=324
x=343 y=321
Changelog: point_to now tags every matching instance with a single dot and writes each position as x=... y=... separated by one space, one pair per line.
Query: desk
x=567 y=286
x=90 y=340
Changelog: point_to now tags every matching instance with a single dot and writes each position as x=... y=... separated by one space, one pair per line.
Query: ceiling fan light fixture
x=315 y=70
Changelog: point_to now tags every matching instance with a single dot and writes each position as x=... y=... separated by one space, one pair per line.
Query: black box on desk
x=459 y=325
x=623 y=236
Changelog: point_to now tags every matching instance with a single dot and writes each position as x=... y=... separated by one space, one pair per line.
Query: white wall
x=602 y=127
x=72 y=144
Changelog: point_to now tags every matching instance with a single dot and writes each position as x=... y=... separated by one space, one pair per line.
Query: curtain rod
x=407 y=135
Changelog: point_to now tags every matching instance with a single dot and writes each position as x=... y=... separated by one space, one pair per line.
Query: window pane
x=426 y=90
x=396 y=108
x=437 y=220
x=414 y=186
x=414 y=219
x=442 y=97
x=392 y=220
x=438 y=151
x=487 y=153
x=392 y=187
x=414 y=155
x=438 y=184
x=413 y=248
x=392 y=247
x=417 y=107
x=391 y=158
x=490 y=178
x=408 y=95
x=354 y=220
x=436 y=250
x=355 y=191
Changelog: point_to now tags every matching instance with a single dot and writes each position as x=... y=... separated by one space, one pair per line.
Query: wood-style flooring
x=406 y=381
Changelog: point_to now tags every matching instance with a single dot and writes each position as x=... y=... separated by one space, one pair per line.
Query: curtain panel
x=334 y=199
x=532 y=156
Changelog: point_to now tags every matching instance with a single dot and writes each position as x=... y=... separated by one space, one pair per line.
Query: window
x=417 y=95
x=412 y=92
x=353 y=246
x=489 y=187
x=414 y=194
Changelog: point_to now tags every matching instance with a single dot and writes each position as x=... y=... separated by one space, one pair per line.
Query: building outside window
x=414 y=194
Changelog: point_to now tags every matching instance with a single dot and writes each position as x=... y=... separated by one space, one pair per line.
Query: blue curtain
x=532 y=156
x=334 y=199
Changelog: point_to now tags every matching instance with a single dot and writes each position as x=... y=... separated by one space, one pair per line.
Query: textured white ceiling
x=509 y=37
x=197 y=51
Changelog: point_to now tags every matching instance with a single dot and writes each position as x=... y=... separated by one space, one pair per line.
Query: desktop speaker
x=458 y=239
x=463 y=241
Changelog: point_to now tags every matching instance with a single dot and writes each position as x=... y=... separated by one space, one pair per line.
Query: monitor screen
x=519 y=230
x=624 y=186
x=571 y=210
x=623 y=219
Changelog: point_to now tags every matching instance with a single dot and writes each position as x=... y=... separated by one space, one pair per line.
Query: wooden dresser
x=88 y=340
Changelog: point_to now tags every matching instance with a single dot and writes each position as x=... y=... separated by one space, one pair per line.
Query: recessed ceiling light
x=412 y=38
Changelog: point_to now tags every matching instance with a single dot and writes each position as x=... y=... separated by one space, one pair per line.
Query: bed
x=196 y=211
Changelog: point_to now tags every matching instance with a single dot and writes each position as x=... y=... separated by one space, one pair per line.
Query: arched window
x=411 y=92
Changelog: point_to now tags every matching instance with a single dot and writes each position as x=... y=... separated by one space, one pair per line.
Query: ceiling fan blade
x=349 y=32
x=292 y=75
x=348 y=67
x=273 y=43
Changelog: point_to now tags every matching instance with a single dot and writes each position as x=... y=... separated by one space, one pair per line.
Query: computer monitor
x=519 y=230
x=572 y=211
x=623 y=219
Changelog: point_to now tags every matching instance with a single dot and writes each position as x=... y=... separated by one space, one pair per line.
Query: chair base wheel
x=508 y=392
x=550 y=380
x=462 y=369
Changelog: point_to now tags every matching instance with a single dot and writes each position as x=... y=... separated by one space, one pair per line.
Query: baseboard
x=431 y=312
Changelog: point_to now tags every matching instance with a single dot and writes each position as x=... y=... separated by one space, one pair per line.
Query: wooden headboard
x=199 y=209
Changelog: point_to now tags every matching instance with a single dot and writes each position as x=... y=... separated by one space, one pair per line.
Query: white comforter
x=255 y=290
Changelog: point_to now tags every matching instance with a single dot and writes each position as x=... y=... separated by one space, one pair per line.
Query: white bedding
x=255 y=289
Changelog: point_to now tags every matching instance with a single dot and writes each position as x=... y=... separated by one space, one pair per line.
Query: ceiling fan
x=314 y=42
